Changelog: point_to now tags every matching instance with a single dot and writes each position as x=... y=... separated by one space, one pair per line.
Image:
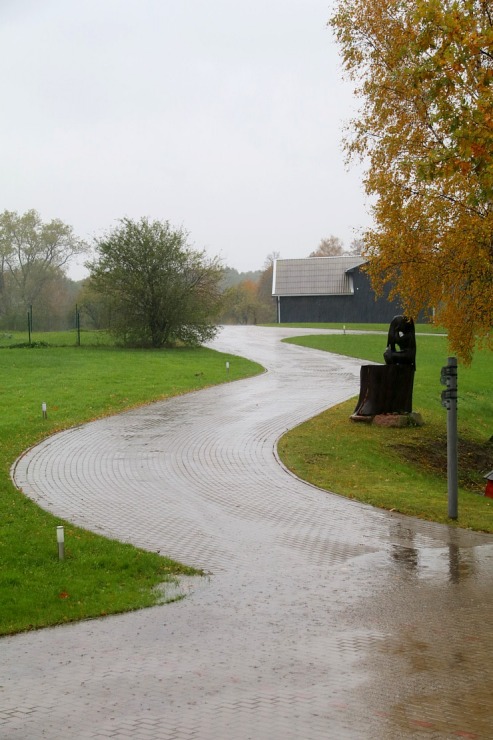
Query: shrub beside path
x=321 y=617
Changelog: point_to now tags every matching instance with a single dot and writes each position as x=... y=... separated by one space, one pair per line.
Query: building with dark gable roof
x=328 y=289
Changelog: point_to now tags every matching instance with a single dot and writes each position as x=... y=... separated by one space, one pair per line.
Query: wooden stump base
x=391 y=420
x=385 y=389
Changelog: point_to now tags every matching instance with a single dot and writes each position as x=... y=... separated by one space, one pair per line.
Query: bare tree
x=33 y=253
x=270 y=259
x=331 y=246
x=356 y=247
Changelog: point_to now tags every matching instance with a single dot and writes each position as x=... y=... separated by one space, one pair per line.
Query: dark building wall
x=360 y=307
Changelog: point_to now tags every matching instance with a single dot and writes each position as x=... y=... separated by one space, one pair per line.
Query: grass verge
x=98 y=576
x=90 y=338
x=420 y=328
x=402 y=469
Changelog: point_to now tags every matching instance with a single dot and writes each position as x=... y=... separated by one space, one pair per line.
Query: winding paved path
x=322 y=617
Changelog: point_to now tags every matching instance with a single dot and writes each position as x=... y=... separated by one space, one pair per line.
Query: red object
x=488 y=491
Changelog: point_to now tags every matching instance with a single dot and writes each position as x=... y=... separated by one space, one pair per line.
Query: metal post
x=60 y=538
x=77 y=324
x=452 y=443
x=449 y=400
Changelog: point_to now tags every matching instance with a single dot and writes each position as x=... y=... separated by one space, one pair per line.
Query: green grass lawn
x=57 y=338
x=420 y=328
x=98 y=576
x=402 y=469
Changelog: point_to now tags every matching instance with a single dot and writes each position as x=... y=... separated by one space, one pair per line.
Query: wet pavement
x=321 y=617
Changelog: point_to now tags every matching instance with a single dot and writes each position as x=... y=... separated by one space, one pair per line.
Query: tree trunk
x=385 y=389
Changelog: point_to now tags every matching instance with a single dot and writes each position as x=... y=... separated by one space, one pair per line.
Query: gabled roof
x=315 y=275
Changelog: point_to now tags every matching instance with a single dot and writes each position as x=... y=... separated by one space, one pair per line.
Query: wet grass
x=98 y=576
x=402 y=469
x=16 y=339
x=420 y=328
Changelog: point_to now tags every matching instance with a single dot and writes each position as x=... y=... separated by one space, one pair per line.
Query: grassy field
x=17 y=339
x=98 y=576
x=402 y=469
x=420 y=328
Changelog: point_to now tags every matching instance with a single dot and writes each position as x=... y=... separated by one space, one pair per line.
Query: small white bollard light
x=227 y=367
x=344 y=328
x=43 y=409
x=60 y=538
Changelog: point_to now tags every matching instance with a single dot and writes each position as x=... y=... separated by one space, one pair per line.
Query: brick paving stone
x=321 y=617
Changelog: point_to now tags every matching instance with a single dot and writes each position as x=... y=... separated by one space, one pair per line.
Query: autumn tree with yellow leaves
x=423 y=70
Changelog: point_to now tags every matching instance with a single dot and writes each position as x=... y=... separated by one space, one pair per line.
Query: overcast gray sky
x=223 y=117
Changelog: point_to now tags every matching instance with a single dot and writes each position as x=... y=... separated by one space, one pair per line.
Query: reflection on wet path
x=431 y=671
x=323 y=617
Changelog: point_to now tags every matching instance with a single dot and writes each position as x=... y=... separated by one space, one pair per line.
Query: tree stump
x=385 y=389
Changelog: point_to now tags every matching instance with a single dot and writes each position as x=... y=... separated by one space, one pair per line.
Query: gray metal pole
x=452 y=466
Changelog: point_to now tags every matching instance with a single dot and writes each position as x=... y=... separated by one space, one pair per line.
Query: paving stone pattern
x=321 y=617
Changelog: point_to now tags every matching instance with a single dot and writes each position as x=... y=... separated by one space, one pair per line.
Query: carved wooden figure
x=388 y=389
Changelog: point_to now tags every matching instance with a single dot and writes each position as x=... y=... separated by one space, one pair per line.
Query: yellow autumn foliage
x=423 y=70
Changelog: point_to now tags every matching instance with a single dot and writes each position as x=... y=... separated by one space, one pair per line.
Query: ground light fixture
x=60 y=538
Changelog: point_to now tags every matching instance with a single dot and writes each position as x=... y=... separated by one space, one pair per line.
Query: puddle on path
x=183 y=587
